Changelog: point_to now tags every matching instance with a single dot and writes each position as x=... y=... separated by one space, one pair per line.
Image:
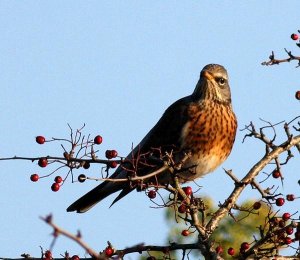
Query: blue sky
x=116 y=66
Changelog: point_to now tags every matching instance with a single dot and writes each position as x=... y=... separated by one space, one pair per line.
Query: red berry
x=219 y=250
x=245 y=246
x=75 y=257
x=43 y=162
x=182 y=208
x=188 y=190
x=48 y=254
x=34 y=177
x=294 y=36
x=113 y=164
x=230 y=251
x=40 y=139
x=290 y=197
x=55 y=187
x=109 y=251
x=98 y=139
x=281 y=223
x=286 y=216
x=58 y=179
x=109 y=154
x=114 y=153
x=280 y=202
x=81 y=178
x=185 y=232
x=276 y=174
x=86 y=165
x=256 y=205
x=297 y=95
x=289 y=230
x=152 y=194
x=288 y=240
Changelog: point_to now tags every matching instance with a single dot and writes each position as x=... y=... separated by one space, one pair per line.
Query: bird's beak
x=207 y=75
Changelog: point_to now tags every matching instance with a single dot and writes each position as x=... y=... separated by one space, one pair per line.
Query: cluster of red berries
x=54 y=187
x=43 y=162
x=183 y=208
x=48 y=256
x=57 y=182
x=277 y=174
x=188 y=192
x=279 y=201
x=285 y=229
x=230 y=251
x=110 y=154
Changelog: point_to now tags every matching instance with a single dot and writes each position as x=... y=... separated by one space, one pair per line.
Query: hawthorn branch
x=121 y=252
x=137 y=178
x=48 y=157
x=143 y=248
x=273 y=61
x=77 y=239
x=248 y=179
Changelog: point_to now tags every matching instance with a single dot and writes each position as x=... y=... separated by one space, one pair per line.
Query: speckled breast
x=209 y=135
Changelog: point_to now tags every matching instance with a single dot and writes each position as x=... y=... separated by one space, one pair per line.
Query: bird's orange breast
x=209 y=135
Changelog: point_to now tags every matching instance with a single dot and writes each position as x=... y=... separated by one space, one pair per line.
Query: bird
x=202 y=125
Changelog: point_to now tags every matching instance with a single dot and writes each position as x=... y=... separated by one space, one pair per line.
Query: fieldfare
x=202 y=125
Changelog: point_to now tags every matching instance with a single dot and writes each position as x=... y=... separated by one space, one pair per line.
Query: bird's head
x=213 y=84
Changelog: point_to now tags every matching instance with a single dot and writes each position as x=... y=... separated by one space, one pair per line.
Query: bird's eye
x=221 y=81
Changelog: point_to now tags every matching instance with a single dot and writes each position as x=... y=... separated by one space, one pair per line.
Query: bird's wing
x=167 y=132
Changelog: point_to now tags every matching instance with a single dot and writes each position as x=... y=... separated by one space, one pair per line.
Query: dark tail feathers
x=97 y=194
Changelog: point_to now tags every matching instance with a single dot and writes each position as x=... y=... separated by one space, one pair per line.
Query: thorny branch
x=59 y=231
x=273 y=61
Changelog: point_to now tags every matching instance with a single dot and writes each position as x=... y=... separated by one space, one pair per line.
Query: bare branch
x=273 y=61
x=77 y=239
